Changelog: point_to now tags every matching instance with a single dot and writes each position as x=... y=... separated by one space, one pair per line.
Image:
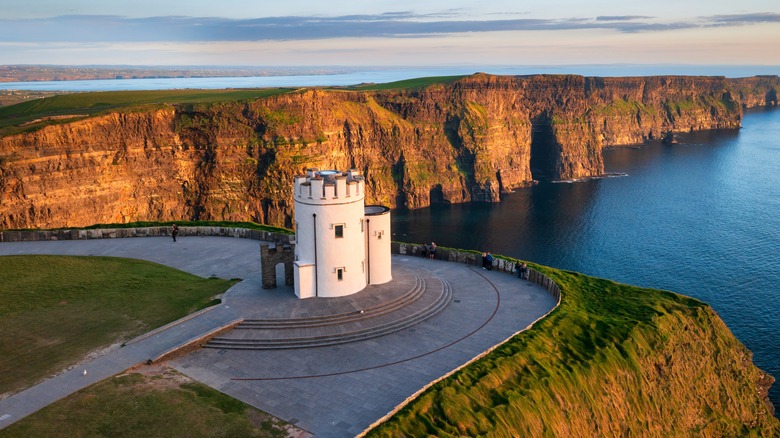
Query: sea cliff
x=467 y=140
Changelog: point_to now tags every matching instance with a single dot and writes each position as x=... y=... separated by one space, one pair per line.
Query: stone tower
x=340 y=243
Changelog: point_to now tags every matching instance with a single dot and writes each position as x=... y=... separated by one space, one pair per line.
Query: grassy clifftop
x=63 y=108
x=612 y=360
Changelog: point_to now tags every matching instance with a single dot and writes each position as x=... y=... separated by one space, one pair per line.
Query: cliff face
x=466 y=141
x=757 y=91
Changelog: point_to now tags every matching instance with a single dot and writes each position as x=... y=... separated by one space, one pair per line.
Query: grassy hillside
x=78 y=105
x=408 y=83
x=612 y=360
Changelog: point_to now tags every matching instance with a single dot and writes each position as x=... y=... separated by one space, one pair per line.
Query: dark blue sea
x=701 y=218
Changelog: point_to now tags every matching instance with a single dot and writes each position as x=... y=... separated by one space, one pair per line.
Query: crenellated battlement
x=325 y=186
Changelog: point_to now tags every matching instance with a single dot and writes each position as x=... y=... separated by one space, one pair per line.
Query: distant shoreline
x=118 y=78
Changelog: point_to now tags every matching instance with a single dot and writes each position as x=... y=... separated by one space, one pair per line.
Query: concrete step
x=380 y=321
x=339 y=318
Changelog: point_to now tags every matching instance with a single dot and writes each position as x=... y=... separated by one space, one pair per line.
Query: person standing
x=432 y=251
x=489 y=261
x=484 y=260
x=174 y=232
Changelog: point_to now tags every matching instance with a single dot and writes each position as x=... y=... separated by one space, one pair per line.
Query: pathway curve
x=331 y=391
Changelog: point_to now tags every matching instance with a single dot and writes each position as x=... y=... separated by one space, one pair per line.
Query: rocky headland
x=611 y=360
x=467 y=140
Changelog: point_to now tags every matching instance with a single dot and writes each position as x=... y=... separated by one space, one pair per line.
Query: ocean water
x=701 y=218
x=356 y=75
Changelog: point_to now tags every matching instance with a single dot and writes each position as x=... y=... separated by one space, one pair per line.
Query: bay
x=701 y=218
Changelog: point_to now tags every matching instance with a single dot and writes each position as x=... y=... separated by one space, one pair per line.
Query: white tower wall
x=330 y=239
x=378 y=244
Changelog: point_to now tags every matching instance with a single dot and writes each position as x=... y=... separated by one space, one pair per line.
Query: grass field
x=148 y=403
x=55 y=310
x=408 y=83
x=64 y=108
x=94 y=103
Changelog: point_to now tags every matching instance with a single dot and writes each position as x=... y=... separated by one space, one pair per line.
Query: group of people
x=429 y=251
x=487 y=261
x=520 y=268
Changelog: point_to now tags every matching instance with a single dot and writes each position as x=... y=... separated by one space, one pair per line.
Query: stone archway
x=272 y=255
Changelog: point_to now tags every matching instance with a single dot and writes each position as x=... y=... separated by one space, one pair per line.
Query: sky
x=389 y=33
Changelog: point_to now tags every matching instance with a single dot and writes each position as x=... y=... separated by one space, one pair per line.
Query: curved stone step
x=317 y=321
x=377 y=324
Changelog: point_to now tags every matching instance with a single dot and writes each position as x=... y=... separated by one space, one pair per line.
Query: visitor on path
x=484 y=260
x=489 y=261
x=424 y=250
x=174 y=232
x=432 y=251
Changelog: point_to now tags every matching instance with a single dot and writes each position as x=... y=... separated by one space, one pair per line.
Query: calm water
x=383 y=75
x=701 y=218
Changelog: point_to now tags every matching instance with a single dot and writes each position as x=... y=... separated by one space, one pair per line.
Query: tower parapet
x=327 y=186
x=336 y=245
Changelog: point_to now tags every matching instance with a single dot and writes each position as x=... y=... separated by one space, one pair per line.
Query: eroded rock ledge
x=469 y=140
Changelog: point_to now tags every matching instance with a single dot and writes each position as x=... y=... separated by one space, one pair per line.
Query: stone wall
x=474 y=258
x=115 y=233
x=272 y=255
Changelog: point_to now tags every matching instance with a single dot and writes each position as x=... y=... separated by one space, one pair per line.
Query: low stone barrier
x=161 y=231
x=475 y=258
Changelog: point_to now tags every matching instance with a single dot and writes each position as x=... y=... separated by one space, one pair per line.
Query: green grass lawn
x=415 y=83
x=164 y=404
x=55 y=310
x=77 y=105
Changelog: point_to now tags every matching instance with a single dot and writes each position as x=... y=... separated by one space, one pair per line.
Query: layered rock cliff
x=469 y=140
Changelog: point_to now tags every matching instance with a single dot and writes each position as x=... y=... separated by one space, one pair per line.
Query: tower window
x=340 y=274
x=339 y=231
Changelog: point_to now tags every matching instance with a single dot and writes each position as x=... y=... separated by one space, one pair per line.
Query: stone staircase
x=428 y=296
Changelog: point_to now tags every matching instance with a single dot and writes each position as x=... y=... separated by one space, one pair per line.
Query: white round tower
x=378 y=244
x=330 y=256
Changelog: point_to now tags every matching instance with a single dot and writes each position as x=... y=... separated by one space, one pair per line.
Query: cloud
x=621 y=17
x=744 y=19
x=108 y=28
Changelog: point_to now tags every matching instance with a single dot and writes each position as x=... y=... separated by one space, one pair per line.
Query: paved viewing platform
x=331 y=366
